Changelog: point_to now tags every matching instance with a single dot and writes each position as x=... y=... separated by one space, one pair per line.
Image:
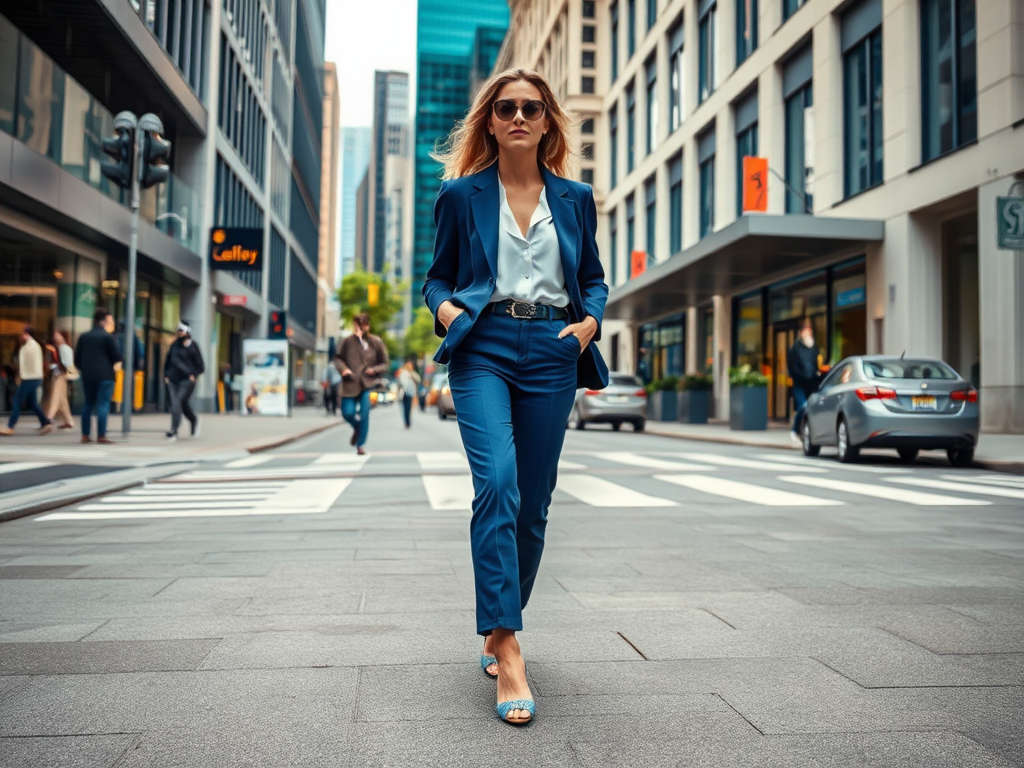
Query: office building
x=238 y=86
x=457 y=41
x=890 y=131
x=355 y=160
x=327 y=261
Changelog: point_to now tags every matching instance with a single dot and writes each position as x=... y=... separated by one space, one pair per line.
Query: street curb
x=137 y=476
x=1006 y=467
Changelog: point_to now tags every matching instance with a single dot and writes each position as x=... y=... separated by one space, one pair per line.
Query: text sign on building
x=236 y=248
x=1010 y=223
x=234 y=301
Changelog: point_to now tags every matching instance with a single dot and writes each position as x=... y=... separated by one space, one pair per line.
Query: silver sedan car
x=889 y=402
x=623 y=400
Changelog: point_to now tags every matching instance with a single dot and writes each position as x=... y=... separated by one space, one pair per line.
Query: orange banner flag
x=755 y=184
x=637 y=264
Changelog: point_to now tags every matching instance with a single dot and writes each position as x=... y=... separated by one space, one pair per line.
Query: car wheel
x=907 y=455
x=638 y=426
x=960 y=457
x=810 y=449
x=616 y=426
x=847 y=453
x=576 y=419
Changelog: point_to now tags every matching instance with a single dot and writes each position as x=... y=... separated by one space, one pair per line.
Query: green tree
x=420 y=340
x=354 y=295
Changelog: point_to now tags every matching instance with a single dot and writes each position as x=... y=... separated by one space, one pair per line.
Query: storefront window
x=661 y=351
x=706 y=358
x=749 y=331
x=849 y=311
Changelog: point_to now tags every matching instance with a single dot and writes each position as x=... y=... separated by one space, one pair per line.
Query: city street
x=698 y=604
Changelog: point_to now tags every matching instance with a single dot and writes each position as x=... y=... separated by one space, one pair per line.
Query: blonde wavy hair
x=470 y=147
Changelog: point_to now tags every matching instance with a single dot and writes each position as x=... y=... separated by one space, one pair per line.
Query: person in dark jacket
x=97 y=358
x=183 y=366
x=362 y=359
x=802 y=361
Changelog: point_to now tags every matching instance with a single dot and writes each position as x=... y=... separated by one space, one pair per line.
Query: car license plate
x=923 y=402
x=618 y=398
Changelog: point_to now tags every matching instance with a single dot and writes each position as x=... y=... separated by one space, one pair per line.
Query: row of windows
x=303 y=224
x=235 y=207
x=246 y=19
x=283 y=20
x=306 y=149
x=181 y=27
x=301 y=295
x=280 y=103
x=276 y=275
x=279 y=176
x=240 y=116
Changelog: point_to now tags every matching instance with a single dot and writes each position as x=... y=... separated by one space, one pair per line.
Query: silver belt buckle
x=529 y=310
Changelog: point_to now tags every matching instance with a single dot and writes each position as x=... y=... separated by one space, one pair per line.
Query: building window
x=652 y=13
x=707 y=64
x=651 y=220
x=798 y=94
x=630 y=227
x=613 y=141
x=613 y=246
x=588 y=9
x=746 y=142
x=589 y=33
x=587 y=126
x=586 y=150
x=587 y=176
x=587 y=85
x=675 y=203
x=652 y=103
x=630 y=127
x=949 y=83
x=630 y=29
x=675 y=66
x=588 y=60
x=862 y=98
x=789 y=7
x=614 y=14
x=706 y=160
x=746 y=29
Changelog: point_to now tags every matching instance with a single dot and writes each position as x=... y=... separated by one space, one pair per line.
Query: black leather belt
x=523 y=311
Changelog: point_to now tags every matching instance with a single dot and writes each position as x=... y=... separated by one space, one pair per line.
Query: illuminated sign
x=236 y=248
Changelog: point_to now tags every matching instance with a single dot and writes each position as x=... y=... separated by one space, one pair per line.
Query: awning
x=752 y=247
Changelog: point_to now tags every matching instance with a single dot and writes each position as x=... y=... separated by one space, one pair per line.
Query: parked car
x=623 y=400
x=445 y=403
x=911 y=405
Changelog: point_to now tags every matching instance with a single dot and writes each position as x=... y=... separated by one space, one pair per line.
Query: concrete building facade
x=890 y=129
x=327 y=312
x=355 y=160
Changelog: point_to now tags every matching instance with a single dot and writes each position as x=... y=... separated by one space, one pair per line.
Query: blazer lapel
x=486 y=214
x=563 y=212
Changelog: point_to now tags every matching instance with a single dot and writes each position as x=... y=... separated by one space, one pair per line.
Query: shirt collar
x=508 y=220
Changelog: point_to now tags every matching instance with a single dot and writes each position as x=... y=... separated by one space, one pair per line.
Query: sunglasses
x=505 y=110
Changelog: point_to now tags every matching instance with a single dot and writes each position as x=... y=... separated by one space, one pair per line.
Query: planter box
x=748 y=408
x=694 y=405
x=663 y=406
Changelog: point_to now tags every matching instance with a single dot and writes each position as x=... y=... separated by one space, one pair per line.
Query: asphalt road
x=698 y=604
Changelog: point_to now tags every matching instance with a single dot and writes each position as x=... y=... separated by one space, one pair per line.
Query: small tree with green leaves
x=420 y=340
x=355 y=295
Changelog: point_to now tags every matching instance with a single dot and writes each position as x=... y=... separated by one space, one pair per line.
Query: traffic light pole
x=128 y=386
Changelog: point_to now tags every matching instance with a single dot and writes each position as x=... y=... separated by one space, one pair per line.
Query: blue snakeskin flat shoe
x=485 y=662
x=504 y=707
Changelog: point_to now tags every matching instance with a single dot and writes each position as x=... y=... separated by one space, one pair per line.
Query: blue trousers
x=26 y=392
x=97 y=398
x=513 y=383
x=799 y=406
x=361 y=422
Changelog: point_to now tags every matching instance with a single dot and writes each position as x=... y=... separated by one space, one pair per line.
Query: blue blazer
x=464 y=268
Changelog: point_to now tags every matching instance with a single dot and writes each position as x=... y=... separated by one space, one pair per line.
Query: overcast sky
x=367 y=35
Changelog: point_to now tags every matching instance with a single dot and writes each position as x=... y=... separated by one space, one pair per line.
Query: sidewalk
x=1004 y=453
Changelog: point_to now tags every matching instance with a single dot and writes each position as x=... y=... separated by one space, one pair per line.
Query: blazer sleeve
x=442 y=276
x=593 y=288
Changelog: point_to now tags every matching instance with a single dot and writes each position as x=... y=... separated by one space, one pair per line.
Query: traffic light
x=373 y=294
x=155 y=151
x=278 y=325
x=120 y=148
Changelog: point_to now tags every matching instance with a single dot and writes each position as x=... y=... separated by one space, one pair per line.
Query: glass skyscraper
x=457 y=43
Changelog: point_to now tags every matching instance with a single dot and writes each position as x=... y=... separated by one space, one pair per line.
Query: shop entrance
x=784 y=335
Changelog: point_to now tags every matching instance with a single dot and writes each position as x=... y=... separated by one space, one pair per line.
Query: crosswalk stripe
x=1008 y=482
x=131 y=504
x=885 y=492
x=23 y=466
x=805 y=463
x=436 y=460
x=944 y=485
x=347 y=460
x=570 y=465
x=449 y=491
x=249 y=461
x=598 y=492
x=730 y=461
x=636 y=460
x=752 y=494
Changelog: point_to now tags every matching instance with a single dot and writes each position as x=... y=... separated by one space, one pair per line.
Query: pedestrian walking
x=332 y=382
x=361 y=360
x=183 y=366
x=98 y=358
x=60 y=367
x=30 y=379
x=409 y=384
x=518 y=293
x=802 y=362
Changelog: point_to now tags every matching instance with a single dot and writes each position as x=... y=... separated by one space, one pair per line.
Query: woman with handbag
x=361 y=360
x=517 y=291
x=60 y=368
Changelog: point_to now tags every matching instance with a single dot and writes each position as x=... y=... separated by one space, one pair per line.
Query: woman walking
x=409 y=382
x=60 y=367
x=361 y=360
x=517 y=291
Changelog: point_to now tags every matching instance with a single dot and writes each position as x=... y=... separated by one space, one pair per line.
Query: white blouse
x=529 y=268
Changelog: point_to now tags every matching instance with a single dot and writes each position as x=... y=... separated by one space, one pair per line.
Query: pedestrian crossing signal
x=278 y=325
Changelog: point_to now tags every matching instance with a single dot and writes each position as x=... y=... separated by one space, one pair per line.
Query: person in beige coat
x=30 y=374
x=60 y=367
x=361 y=360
